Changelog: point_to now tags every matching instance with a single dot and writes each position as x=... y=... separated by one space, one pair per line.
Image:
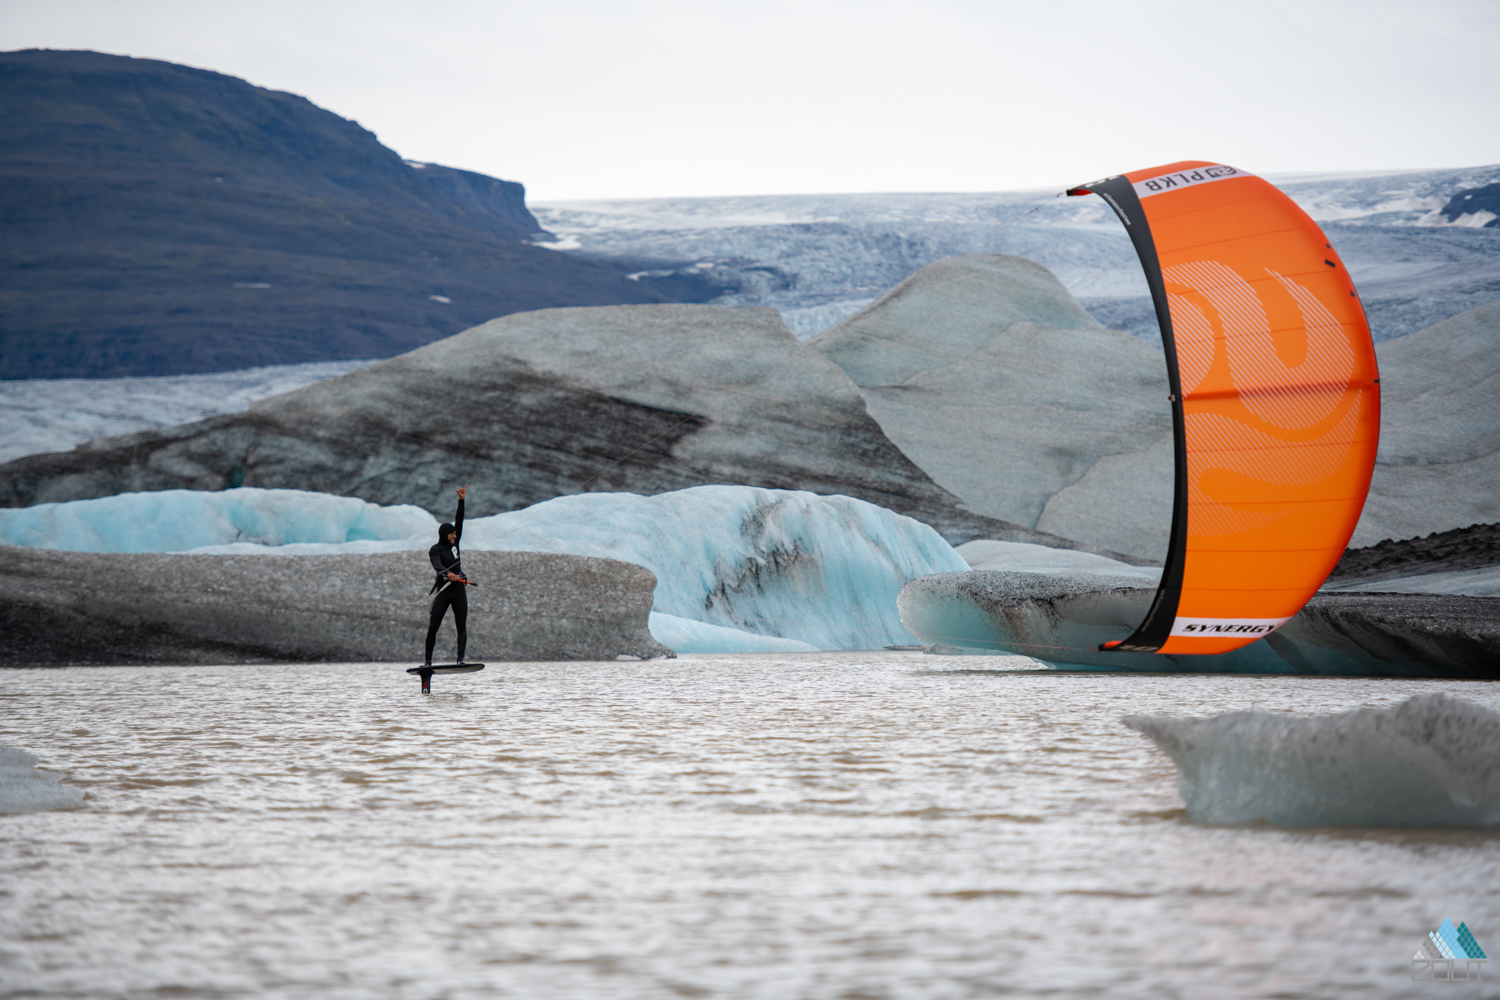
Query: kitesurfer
x=450 y=586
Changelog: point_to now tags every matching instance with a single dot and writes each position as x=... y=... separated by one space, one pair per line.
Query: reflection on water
x=815 y=825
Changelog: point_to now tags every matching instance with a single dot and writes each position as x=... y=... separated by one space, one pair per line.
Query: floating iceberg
x=1058 y=614
x=1061 y=614
x=1430 y=761
x=146 y=609
x=25 y=789
x=821 y=571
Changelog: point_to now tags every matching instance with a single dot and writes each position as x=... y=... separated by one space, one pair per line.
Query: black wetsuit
x=448 y=593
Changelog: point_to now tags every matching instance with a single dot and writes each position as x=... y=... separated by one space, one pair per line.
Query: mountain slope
x=161 y=219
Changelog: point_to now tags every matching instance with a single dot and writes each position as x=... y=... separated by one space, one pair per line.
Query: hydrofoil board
x=442 y=668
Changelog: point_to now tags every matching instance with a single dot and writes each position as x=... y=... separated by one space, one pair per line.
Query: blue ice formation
x=184 y=520
x=25 y=789
x=687 y=636
x=1432 y=760
x=770 y=565
x=824 y=570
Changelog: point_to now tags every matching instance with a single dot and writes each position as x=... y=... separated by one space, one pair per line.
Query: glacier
x=739 y=569
x=1483 y=582
x=818 y=257
x=1432 y=760
x=56 y=414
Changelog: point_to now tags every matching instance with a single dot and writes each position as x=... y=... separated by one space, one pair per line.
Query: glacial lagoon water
x=821 y=825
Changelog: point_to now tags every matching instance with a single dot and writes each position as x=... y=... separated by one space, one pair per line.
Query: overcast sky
x=648 y=98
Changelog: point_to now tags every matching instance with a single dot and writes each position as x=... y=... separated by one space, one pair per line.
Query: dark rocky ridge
x=1473 y=201
x=1473 y=547
x=74 y=608
x=1422 y=635
x=135 y=196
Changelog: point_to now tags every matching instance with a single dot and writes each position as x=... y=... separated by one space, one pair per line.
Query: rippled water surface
x=818 y=825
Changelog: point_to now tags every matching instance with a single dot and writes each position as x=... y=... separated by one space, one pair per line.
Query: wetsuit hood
x=444 y=530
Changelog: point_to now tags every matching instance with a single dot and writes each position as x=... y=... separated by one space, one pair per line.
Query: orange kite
x=1275 y=400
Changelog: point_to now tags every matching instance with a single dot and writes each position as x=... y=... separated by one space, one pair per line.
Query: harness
x=440 y=581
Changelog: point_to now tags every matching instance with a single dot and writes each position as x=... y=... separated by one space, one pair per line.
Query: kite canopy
x=1275 y=400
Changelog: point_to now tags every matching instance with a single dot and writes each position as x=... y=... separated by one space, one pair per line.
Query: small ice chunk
x=25 y=789
x=1433 y=760
x=686 y=636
